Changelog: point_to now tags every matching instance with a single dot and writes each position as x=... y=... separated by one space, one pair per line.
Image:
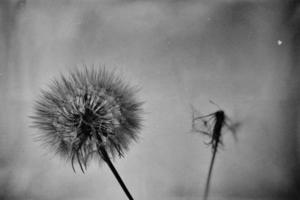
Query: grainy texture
x=242 y=54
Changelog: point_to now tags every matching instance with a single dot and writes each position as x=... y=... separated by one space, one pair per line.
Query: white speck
x=279 y=42
x=208 y=18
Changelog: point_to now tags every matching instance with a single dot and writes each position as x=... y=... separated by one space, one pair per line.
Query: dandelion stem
x=207 y=186
x=106 y=158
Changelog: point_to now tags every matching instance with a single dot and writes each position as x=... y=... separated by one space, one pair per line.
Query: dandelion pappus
x=89 y=114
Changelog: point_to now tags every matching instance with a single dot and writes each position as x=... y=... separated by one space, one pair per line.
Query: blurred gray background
x=241 y=54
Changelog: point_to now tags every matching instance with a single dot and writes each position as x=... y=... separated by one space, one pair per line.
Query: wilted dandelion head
x=87 y=111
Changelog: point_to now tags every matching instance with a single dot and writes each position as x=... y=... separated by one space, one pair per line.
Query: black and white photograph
x=149 y=99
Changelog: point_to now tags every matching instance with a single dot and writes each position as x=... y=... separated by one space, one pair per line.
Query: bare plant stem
x=106 y=158
x=207 y=186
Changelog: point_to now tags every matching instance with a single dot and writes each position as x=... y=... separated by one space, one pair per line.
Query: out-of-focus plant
x=213 y=124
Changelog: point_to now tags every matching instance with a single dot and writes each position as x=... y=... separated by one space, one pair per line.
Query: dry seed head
x=89 y=110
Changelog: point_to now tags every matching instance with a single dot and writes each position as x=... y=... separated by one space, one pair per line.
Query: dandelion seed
x=88 y=115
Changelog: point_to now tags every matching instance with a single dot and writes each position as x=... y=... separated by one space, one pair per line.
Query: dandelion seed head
x=86 y=111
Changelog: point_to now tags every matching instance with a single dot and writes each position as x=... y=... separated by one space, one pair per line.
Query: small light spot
x=279 y=42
